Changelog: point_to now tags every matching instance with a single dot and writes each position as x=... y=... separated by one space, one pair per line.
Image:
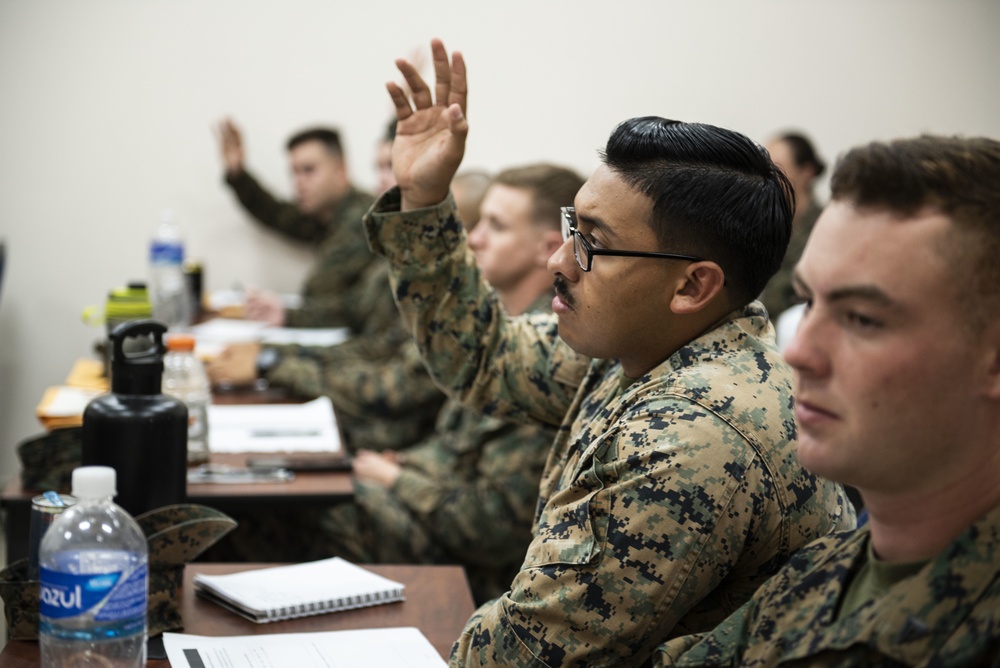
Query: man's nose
x=563 y=261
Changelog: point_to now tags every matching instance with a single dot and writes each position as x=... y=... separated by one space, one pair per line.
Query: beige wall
x=106 y=109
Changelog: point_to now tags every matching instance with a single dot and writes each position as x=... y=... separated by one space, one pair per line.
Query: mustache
x=562 y=290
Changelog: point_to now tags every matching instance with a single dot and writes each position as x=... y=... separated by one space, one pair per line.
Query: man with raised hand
x=897 y=364
x=672 y=490
x=325 y=214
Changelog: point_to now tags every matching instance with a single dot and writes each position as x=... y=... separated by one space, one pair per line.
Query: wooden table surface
x=438 y=602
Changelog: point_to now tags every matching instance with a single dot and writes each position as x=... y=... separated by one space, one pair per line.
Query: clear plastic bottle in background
x=184 y=378
x=168 y=287
x=94 y=580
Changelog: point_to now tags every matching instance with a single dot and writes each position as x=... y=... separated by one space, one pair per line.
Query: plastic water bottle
x=184 y=378
x=94 y=580
x=168 y=287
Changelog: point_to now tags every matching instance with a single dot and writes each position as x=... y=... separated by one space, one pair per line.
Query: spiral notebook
x=299 y=590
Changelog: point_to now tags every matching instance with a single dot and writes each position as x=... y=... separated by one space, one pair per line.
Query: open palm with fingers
x=431 y=128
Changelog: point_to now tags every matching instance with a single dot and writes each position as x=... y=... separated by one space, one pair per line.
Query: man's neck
x=918 y=526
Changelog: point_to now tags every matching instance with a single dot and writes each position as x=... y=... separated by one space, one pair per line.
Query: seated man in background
x=795 y=155
x=325 y=214
x=897 y=364
x=672 y=490
x=383 y=397
x=467 y=493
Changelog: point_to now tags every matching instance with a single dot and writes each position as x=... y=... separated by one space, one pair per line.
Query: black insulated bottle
x=136 y=429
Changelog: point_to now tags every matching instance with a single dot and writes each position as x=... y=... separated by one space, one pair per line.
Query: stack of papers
x=308 y=427
x=372 y=648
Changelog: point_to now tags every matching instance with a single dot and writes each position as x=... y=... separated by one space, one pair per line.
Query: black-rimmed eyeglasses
x=585 y=253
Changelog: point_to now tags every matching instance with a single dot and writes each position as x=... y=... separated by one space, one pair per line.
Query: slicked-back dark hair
x=956 y=176
x=329 y=137
x=716 y=194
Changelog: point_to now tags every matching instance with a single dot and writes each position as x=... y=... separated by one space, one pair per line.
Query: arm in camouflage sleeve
x=478 y=514
x=724 y=640
x=365 y=306
x=650 y=526
x=372 y=383
x=502 y=367
x=345 y=276
x=514 y=368
x=279 y=215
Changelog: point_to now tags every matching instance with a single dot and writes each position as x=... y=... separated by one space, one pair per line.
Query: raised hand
x=231 y=145
x=430 y=133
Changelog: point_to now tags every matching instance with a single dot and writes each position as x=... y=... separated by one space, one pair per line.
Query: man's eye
x=862 y=321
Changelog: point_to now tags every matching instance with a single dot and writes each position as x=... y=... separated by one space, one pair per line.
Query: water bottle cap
x=180 y=342
x=94 y=482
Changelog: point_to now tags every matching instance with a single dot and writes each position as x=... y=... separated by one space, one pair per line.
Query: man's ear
x=549 y=243
x=700 y=284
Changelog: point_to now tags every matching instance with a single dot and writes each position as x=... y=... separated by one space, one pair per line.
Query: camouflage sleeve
x=477 y=516
x=383 y=397
x=718 y=647
x=648 y=527
x=279 y=215
x=366 y=306
x=345 y=266
x=504 y=367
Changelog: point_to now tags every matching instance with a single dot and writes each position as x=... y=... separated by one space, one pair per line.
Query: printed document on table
x=214 y=335
x=372 y=648
x=308 y=427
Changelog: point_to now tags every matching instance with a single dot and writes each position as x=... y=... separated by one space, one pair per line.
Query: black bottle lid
x=141 y=371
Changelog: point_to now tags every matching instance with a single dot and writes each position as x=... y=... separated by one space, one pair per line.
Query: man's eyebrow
x=867 y=292
x=599 y=225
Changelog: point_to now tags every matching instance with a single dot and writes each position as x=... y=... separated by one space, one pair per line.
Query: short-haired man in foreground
x=672 y=490
x=897 y=362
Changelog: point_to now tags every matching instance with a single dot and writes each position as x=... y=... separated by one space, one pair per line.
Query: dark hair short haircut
x=956 y=176
x=803 y=152
x=329 y=137
x=551 y=188
x=716 y=194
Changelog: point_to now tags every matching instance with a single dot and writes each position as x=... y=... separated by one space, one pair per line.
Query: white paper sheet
x=69 y=401
x=214 y=335
x=372 y=648
x=308 y=427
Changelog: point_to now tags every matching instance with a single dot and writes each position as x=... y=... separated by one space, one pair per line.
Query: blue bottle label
x=166 y=253
x=107 y=595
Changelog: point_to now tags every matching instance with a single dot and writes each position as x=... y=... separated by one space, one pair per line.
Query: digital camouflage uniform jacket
x=329 y=297
x=663 y=504
x=382 y=395
x=946 y=616
x=465 y=495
